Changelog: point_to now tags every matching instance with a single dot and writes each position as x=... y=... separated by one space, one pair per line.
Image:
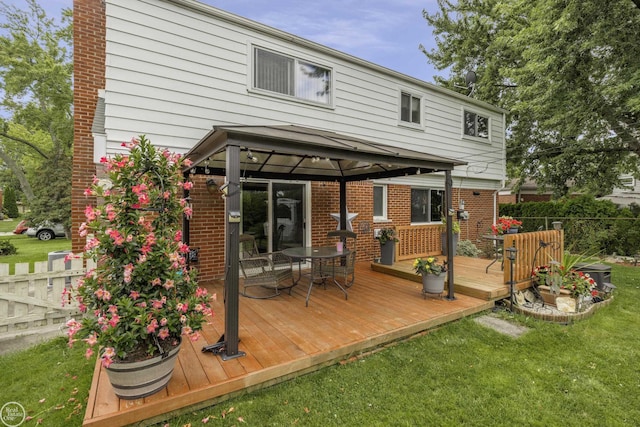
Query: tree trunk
x=17 y=170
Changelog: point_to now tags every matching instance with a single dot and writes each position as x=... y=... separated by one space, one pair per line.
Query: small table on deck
x=499 y=239
x=317 y=255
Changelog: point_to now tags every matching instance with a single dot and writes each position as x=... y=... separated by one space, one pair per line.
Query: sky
x=385 y=32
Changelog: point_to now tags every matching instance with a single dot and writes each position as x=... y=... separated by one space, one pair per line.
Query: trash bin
x=599 y=272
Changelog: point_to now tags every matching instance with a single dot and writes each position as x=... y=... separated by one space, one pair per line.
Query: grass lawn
x=31 y=250
x=585 y=374
x=8 y=225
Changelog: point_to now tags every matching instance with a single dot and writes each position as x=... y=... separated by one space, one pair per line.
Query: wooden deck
x=282 y=338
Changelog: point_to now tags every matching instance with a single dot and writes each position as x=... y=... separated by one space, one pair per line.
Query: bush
x=10 y=205
x=7 y=248
x=590 y=225
x=467 y=248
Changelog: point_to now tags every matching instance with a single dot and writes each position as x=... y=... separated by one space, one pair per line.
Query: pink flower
x=88 y=353
x=151 y=327
x=134 y=295
x=90 y=213
x=91 y=339
x=169 y=284
x=128 y=271
x=163 y=334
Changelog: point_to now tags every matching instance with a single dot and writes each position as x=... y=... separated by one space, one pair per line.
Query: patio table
x=317 y=255
x=499 y=240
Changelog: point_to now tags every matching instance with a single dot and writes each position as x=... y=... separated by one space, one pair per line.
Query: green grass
x=31 y=250
x=8 y=225
x=585 y=374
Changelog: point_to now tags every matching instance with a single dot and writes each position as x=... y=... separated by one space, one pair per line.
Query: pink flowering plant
x=142 y=296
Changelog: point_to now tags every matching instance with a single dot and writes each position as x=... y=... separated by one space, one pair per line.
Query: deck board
x=282 y=338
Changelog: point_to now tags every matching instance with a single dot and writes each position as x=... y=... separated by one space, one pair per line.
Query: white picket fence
x=31 y=303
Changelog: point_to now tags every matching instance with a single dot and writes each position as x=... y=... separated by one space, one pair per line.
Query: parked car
x=46 y=231
x=21 y=227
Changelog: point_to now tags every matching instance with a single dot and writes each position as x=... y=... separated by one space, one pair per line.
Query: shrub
x=468 y=248
x=7 y=248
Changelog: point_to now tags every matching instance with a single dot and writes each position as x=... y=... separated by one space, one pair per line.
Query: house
x=628 y=193
x=175 y=69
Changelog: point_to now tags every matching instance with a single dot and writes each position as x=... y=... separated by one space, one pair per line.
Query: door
x=274 y=213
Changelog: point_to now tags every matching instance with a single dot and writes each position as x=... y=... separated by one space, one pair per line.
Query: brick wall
x=88 y=75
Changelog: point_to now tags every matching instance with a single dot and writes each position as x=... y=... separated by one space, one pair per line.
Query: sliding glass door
x=274 y=213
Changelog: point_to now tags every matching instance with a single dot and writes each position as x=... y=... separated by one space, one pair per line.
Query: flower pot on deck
x=433 y=283
x=387 y=252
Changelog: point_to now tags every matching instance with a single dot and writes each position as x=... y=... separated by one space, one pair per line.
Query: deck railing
x=533 y=249
x=418 y=241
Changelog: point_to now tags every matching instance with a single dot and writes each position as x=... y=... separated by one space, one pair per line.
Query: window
x=426 y=205
x=379 y=202
x=290 y=76
x=410 y=108
x=476 y=125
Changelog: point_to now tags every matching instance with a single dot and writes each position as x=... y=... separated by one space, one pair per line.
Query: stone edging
x=564 y=317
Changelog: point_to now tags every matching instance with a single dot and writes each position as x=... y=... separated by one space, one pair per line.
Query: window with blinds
x=290 y=76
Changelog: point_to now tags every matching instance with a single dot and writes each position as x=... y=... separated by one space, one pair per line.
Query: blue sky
x=385 y=32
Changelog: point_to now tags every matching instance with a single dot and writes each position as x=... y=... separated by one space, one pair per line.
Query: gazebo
x=290 y=152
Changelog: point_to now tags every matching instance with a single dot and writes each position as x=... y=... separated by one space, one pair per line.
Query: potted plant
x=432 y=274
x=455 y=226
x=141 y=297
x=561 y=279
x=387 y=238
x=506 y=225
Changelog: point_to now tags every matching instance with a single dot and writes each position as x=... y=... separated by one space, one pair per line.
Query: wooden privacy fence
x=33 y=301
x=418 y=241
x=534 y=248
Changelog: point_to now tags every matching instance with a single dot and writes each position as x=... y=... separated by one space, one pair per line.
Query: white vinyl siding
x=190 y=70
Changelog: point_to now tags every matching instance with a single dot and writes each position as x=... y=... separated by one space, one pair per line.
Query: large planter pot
x=433 y=284
x=564 y=301
x=443 y=241
x=512 y=230
x=134 y=380
x=387 y=252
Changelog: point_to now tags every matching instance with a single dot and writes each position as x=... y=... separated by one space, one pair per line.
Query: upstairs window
x=426 y=205
x=290 y=76
x=476 y=125
x=410 y=108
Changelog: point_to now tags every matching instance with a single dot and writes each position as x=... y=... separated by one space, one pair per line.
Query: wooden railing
x=33 y=301
x=418 y=240
x=533 y=249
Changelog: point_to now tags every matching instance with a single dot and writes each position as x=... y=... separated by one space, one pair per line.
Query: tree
x=36 y=97
x=9 y=205
x=569 y=73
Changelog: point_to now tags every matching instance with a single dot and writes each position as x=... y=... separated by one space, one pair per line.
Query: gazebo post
x=232 y=255
x=343 y=204
x=449 y=213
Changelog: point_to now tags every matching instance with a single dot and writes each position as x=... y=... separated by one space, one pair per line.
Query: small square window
x=476 y=125
x=410 y=108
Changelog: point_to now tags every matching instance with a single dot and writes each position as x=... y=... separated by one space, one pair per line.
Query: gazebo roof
x=295 y=152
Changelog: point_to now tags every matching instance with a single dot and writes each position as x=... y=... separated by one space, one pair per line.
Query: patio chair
x=345 y=270
x=248 y=246
x=270 y=272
